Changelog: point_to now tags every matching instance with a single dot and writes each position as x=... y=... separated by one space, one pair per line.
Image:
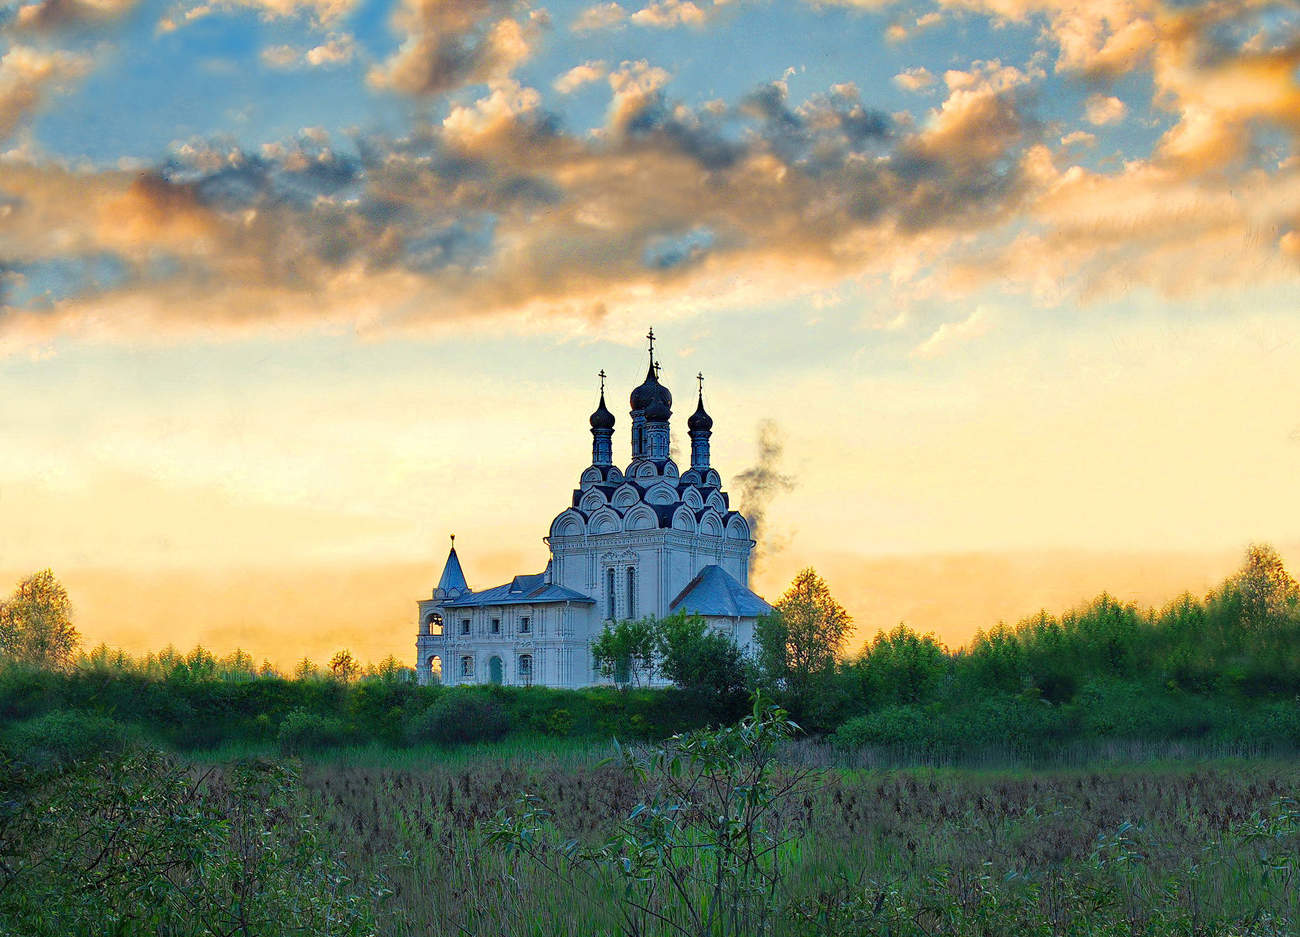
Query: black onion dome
x=658 y=411
x=602 y=418
x=699 y=420
x=650 y=391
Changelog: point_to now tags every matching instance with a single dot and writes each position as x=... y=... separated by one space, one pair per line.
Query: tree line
x=1223 y=667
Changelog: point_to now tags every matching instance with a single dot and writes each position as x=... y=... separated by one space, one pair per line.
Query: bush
x=60 y=738
x=458 y=717
x=889 y=725
x=303 y=731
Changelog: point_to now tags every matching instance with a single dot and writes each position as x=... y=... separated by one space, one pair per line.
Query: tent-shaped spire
x=452 y=584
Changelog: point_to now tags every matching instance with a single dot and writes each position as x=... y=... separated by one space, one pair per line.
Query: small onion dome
x=602 y=418
x=699 y=421
x=650 y=391
x=658 y=412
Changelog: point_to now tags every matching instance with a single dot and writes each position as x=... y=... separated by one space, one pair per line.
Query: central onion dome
x=602 y=418
x=659 y=411
x=700 y=420
x=649 y=392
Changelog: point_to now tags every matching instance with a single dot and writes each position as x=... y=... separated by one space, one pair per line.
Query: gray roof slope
x=714 y=592
x=522 y=590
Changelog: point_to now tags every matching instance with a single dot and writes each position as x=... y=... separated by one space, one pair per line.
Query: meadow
x=1138 y=848
x=1112 y=771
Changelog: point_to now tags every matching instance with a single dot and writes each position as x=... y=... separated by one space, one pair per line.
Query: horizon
x=998 y=295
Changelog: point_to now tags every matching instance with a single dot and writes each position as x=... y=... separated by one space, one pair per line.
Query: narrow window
x=496 y=625
x=526 y=669
x=464 y=626
x=525 y=625
x=435 y=669
x=435 y=624
x=631 y=592
x=467 y=666
x=609 y=592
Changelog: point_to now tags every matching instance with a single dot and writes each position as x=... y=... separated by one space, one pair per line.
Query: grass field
x=1163 y=847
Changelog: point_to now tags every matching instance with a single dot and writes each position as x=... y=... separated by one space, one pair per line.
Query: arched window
x=609 y=593
x=526 y=669
x=433 y=624
x=631 y=592
x=435 y=669
x=467 y=667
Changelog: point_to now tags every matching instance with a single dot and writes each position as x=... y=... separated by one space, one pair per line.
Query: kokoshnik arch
x=648 y=540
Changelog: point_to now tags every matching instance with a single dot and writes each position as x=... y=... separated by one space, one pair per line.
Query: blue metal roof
x=522 y=590
x=453 y=578
x=714 y=592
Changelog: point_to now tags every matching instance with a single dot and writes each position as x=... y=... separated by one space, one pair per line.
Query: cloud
x=599 y=17
x=1102 y=110
x=950 y=334
x=498 y=210
x=27 y=75
x=450 y=43
x=60 y=14
x=580 y=75
x=898 y=31
x=914 y=79
x=663 y=14
x=338 y=50
x=319 y=12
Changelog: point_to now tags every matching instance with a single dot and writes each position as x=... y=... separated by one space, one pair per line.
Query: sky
x=1003 y=294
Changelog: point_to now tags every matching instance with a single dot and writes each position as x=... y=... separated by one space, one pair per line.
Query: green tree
x=697 y=657
x=343 y=667
x=625 y=651
x=36 y=623
x=1268 y=593
x=804 y=637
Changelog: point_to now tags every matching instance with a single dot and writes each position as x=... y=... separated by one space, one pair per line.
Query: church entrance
x=494 y=670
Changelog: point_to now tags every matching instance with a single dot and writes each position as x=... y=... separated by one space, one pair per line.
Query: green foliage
x=625 y=651
x=36 y=623
x=302 y=731
x=60 y=738
x=460 y=716
x=805 y=636
x=135 y=845
x=703 y=851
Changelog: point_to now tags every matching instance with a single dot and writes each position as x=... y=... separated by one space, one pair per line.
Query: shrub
x=303 y=731
x=60 y=738
x=459 y=717
x=889 y=725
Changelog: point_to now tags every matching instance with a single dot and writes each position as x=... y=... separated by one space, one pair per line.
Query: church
x=645 y=540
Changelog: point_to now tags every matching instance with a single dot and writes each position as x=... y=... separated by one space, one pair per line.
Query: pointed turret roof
x=452 y=582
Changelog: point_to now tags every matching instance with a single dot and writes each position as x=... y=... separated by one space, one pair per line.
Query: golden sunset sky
x=292 y=289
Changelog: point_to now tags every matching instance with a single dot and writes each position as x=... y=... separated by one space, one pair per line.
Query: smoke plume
x=760 y=484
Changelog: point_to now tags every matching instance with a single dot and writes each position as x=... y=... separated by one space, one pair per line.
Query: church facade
x=644 y=540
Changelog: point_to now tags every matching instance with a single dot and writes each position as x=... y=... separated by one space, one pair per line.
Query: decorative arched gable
x=693 y=499
x=684 y=519
x=604 y=521
x=690 y=477
x=737 y=528
x=627 y=496
x=593 y=500
x=569 y=524
x=661 y=493
x=645 y=470
x=717 y=503
x=712 y=479
x=590 y=477
x=641 y=517
x=670 y=469
x=711 y=523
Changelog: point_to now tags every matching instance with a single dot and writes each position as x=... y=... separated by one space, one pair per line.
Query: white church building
x=645 y=540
